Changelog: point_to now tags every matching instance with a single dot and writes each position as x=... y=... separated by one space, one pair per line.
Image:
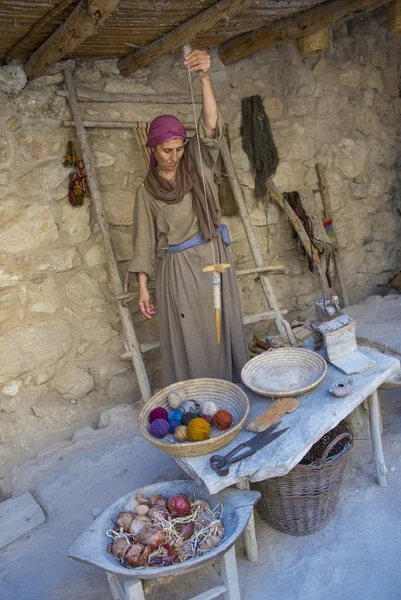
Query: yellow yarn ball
x=198 y=430
x=181 y=433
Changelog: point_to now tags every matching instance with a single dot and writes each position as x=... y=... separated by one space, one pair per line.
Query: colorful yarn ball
x=208 y=419
x=175 y=415
x=174 y=425
x=187 y=418
x=176 y=398
x=159 y=428
x=181 y=434
x=223 y=419
x=209 y=408
x=158 y=413
x=191 y=406
x=198 y=430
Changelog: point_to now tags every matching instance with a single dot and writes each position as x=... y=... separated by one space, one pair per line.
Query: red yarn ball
x=158 y=413
x=223 y=419
x=208 y=419
x=159 y=428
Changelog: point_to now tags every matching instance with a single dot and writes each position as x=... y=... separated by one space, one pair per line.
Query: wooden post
x=115 y=279
x=374 y=416
x=251 y=545
x=253 y=243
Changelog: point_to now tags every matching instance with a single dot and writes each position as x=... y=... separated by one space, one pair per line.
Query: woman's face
x=168 y=154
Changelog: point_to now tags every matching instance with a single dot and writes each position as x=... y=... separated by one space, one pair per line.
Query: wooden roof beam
x=36 y=28
x=295 y=26
x=81 y=24
x=184 y=33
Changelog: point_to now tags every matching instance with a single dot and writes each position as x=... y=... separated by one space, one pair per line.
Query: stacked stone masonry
x=60 y=335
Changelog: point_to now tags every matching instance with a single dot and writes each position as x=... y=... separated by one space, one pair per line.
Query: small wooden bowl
x=224 y=394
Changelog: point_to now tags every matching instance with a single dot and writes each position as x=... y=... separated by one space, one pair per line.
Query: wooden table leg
x=374 y=417
x=251 y=545
x=133 y=589
x=229 y=575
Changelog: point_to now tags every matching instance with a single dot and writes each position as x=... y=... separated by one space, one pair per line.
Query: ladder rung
x=271 y=268
x=265 y=316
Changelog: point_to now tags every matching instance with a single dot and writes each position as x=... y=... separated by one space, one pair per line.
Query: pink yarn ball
x=208 y=419
x=159 y=428
x=158 y=413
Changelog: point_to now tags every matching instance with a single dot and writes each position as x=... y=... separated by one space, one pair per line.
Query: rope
x=186 y=51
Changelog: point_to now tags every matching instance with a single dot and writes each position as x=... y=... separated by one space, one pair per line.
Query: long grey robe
x=184 y=293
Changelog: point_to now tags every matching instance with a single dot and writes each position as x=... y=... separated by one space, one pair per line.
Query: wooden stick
x=253 y=243
x=115 y=279
x=105 y=124
x=84 y=20
x=184 y=33
x=36 y=28
x=327 y=209
x=296 y=222
x=272 y=269
x=217 y=318
x=85 y=95
x=295 y=26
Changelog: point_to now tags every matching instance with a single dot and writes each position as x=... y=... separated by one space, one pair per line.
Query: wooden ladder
x=134 y=350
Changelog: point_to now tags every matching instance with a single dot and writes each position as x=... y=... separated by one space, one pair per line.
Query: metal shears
x=221 y=464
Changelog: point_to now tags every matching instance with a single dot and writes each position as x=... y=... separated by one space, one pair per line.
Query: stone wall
x=60 y=337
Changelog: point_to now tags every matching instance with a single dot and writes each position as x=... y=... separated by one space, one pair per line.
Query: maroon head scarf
x=163 y=129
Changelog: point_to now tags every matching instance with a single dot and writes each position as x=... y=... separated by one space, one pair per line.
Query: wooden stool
x=128 y=584
x=122 y=588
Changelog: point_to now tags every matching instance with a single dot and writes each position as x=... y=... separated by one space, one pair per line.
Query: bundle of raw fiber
x=304 y=205
x=78 y=188
x=258 y=142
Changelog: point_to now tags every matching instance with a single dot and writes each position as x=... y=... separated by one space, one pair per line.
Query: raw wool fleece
x=258 y=142
x=304 y=205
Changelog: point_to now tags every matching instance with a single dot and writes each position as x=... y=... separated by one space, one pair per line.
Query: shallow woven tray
x=284 y=372
x=226 y=395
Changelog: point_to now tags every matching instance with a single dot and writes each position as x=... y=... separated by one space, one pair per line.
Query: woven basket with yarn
x=314 y=43
x=224 y=394
x=394 y=17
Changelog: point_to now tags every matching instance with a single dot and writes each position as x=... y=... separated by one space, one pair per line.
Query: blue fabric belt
x=199 y=239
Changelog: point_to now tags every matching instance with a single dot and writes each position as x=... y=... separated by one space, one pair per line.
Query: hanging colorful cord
x=79 y=188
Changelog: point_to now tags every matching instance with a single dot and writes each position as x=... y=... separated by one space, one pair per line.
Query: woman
x=174 y=221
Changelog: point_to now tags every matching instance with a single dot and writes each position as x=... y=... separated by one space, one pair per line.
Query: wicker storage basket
x=225 y=394
x=314 y=43
x=394 y=17
x=304 y=500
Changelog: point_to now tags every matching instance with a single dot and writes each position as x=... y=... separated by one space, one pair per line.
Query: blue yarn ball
x=175 y=415
x=174 y=425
